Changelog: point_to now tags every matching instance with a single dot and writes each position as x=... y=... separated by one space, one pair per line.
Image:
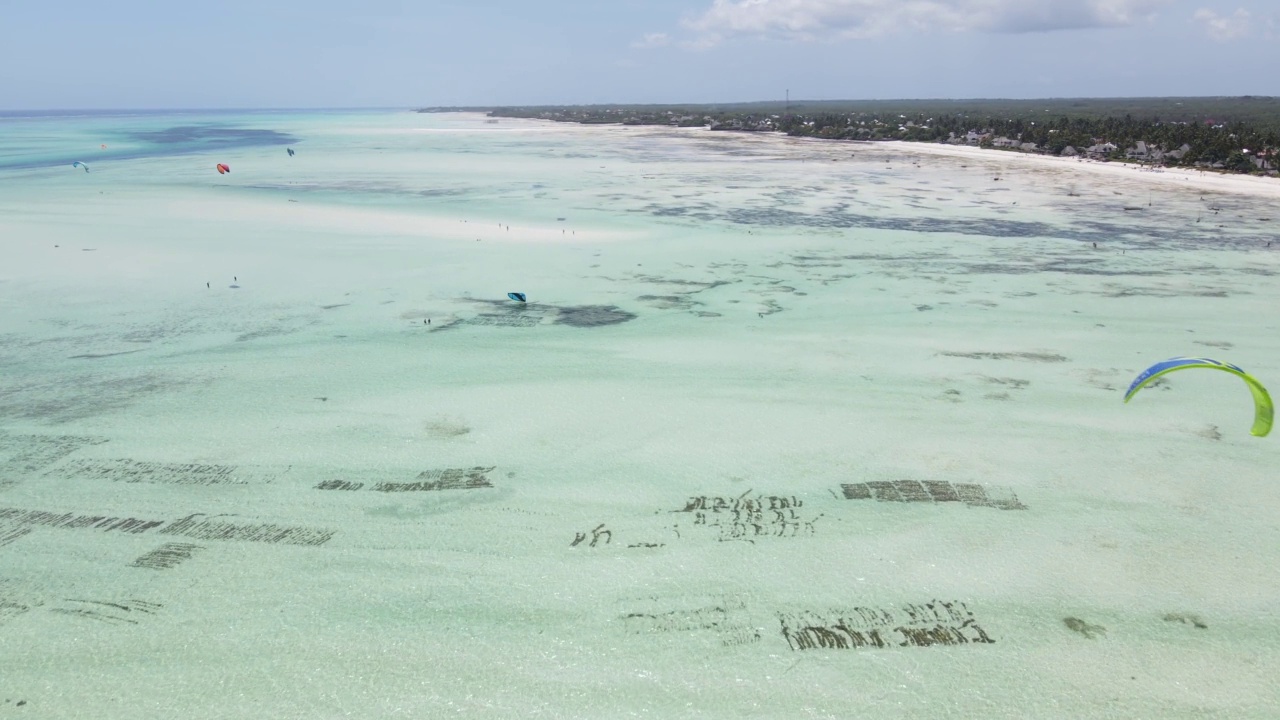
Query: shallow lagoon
x=787 y=428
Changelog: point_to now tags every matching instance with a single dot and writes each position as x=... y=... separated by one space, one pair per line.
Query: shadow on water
x=167 y=142
x=195 y=138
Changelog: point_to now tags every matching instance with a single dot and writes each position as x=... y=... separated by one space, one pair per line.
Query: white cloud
x=1224 y=28
x=810 y=20
x=651 y=40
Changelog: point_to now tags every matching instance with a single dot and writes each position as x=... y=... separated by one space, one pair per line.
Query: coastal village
x=1217 y=146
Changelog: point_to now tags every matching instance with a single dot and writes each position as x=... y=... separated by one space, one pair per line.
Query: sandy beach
x=1206 y=180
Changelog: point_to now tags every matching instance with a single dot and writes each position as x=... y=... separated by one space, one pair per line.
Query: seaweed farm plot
x=25 y=454
x=197 y=525
x=730 y=622
x=18 y=600
x=427 y=481
x=19 y=519
x=209 y=528
x=448 y=479
x=747 y=517
x=114 y=613
x=9 y=535
x=340 y=485
x=167 y=556
x=159 y=473
x=934 y=623
x=933 y=491
x=726 y=620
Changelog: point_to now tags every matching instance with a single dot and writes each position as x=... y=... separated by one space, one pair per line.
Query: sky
x=86 y=54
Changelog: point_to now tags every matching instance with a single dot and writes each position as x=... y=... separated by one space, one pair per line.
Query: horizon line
x=624 y=103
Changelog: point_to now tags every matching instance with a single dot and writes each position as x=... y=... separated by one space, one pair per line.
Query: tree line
x=1222 y=132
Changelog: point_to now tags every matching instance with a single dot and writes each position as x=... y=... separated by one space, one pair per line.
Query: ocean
x=786 y=428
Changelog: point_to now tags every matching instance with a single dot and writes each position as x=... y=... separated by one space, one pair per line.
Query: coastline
x=1205 y=181
x=1182 y=177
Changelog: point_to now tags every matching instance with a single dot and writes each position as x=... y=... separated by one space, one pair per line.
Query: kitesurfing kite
x=223 y=169
x=518 y=297
x=1263 y=412
x=290 y=151
x=80 y=165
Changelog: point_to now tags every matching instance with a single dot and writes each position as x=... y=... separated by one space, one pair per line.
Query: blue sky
x=393 y=53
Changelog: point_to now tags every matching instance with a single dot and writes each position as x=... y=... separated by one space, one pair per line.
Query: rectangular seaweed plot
x=884 y=491
x=198 y=526
x=942 y=491
x=19 y=518
x=749 y=516
x=856 y=491
x=208 y=528
x=1003 y=499
x=448 y=479
x=934 y=623
x=912 y=491
x=339 y=485
x=167 y=556
x=933 y=491
x=136 y=471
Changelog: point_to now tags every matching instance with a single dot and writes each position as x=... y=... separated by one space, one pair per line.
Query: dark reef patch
x=64 y=399
x=587 y=316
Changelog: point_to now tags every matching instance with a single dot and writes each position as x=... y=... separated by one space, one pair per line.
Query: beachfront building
x=973 y=137
x=1101 y=150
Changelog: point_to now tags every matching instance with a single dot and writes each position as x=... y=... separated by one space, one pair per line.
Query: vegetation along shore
x=1224 y=134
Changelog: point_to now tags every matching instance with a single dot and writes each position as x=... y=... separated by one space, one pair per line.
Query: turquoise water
x=786 y=429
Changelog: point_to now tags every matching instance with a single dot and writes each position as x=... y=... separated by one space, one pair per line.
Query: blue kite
x=518 y=297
